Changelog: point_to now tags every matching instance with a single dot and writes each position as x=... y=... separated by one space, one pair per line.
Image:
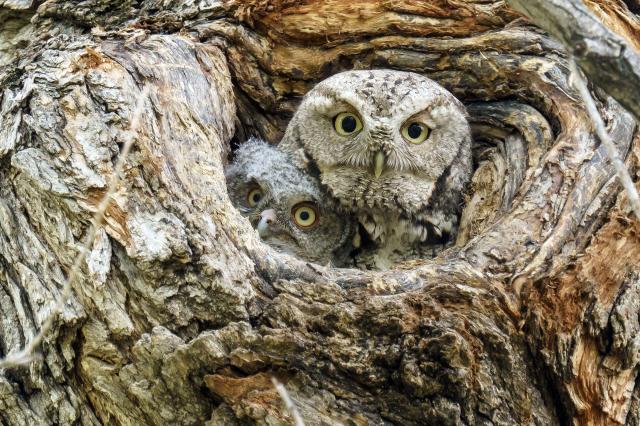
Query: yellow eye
x=305 y=215
x=347 y=124
x=415 y=133
x=254 y=196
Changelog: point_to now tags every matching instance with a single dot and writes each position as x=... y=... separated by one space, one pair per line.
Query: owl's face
x=286 y=206
x=381 y=139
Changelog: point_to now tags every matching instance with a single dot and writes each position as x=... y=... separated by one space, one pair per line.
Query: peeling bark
x=610 y=60
x=182 y=316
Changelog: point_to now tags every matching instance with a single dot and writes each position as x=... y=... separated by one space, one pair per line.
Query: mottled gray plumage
x=417 y=194
x=259 y=168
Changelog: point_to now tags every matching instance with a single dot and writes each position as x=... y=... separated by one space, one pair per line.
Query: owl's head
x=380 y=138
x=287 y=207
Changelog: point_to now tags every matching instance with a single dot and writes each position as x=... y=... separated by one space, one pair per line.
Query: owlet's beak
x=378 y=164
x=267 y=218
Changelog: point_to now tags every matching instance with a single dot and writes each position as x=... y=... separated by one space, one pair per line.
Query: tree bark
x=182 y=316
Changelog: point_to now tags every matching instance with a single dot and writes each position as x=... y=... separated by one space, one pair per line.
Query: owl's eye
x=415 y=133
x=254 y=196
x=305 y=215
x=347 y=123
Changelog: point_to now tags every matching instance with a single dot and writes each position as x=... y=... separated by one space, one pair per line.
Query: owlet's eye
x=305 y=215
x=254 y=196
x=347 y=124
x=415 y=133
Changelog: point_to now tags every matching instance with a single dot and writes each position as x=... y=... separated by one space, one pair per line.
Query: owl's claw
x=357 y=240
x=437 y=231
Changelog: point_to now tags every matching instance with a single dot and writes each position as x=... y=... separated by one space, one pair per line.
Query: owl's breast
x=392 y=230
x=358 y=190
x=397 y=210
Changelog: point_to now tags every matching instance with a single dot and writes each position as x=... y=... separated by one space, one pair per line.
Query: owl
x=288 y=207
x=393 y=148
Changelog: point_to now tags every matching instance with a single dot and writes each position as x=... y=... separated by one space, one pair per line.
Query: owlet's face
x=386 y=140
x=286 y=206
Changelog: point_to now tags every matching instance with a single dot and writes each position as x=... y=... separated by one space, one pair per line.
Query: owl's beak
x=378 y=164
x=267 y=217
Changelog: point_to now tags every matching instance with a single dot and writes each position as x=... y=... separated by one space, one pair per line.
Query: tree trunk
x=182 y=316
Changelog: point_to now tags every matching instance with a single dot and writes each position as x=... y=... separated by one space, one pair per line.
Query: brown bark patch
x=337 y=21
x=615 y=15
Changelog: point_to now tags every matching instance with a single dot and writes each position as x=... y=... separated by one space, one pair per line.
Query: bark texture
x=182 y=316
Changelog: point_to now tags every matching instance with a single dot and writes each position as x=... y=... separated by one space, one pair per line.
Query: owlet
x=288 y=207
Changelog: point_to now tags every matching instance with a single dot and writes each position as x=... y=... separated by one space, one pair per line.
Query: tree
x=180 y=315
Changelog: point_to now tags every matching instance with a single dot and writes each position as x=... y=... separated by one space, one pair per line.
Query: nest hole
x=510 y=139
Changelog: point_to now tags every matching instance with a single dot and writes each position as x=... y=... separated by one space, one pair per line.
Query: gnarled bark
x=183 y=316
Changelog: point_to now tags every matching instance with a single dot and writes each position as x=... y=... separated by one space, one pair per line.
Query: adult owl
x=392 y=147
x=289 y=209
